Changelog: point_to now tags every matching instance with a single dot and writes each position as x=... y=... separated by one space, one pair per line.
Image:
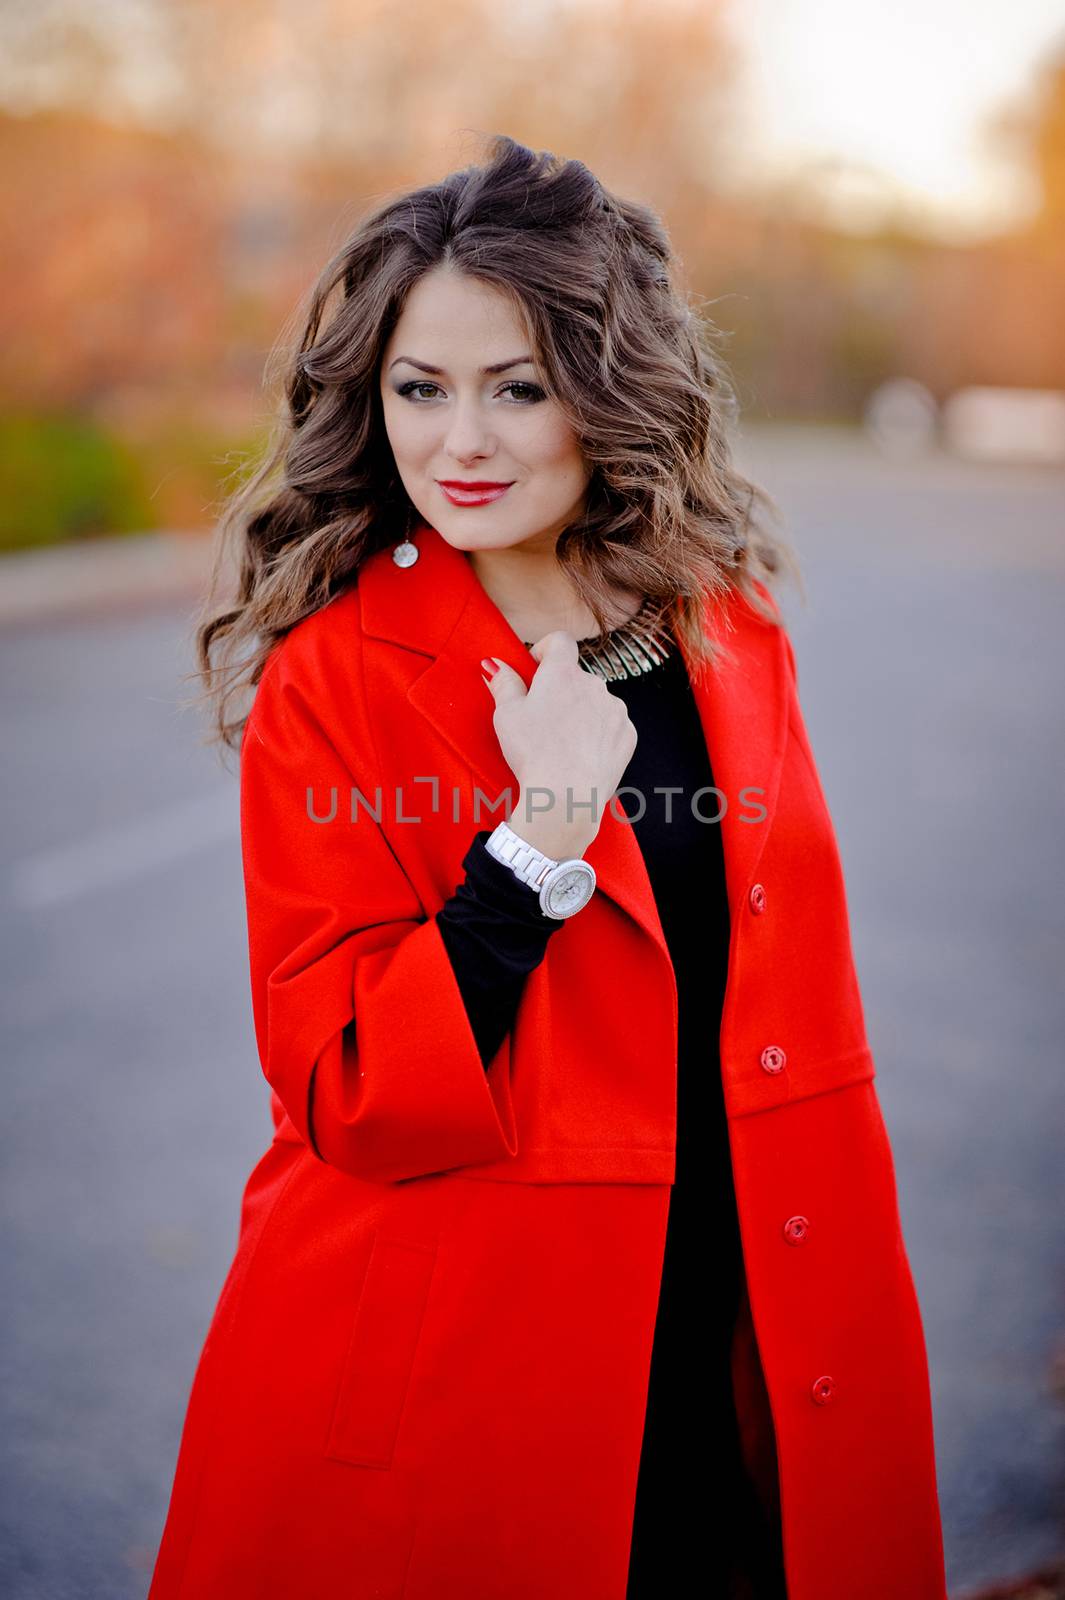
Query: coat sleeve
x=360 y=1023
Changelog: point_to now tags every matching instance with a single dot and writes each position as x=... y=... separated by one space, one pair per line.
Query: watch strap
x=538 y=870
x=526 y=862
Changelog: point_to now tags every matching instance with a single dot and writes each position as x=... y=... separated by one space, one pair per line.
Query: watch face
x=569 y=891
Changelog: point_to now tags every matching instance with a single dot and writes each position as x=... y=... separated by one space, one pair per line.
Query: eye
x=407 y=388
x=533 y=391
x=533 y=394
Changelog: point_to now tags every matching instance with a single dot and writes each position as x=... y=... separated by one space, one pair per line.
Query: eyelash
x=406 y=389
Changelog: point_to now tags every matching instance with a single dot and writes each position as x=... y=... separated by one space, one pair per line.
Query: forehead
x=451 y=312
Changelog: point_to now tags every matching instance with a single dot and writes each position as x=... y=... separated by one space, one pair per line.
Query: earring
x=406 y=554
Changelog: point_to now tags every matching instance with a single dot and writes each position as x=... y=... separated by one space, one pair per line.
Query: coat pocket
x=380 y=1357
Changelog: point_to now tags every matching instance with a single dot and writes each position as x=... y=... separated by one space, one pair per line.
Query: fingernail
x=489 y=666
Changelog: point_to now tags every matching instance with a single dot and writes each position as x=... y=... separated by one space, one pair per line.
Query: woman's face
x=463 y=423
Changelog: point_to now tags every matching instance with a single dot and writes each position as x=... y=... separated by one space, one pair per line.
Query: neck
x=536 y=597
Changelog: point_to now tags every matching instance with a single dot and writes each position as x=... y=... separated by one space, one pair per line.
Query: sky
x=884 y=100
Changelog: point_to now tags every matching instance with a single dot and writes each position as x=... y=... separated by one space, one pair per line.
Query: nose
x=468 y=437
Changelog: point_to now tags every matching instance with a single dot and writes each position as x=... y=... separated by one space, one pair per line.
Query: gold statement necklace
x=633 y=647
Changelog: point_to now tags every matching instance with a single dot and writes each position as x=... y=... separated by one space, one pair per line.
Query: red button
x=757 y=898
x=822 y=1390
x=796 y=1229
x=773 y=1058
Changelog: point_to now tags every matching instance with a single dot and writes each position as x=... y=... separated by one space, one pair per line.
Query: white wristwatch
x=565 y=887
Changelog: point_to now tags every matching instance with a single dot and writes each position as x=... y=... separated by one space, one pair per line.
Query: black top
x=495 y=934
x=688 y=1520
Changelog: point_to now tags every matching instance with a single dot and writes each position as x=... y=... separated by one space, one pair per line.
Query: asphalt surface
x=930 y=666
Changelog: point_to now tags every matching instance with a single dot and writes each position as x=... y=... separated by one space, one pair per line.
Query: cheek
x=407 y=439
x=554 y=445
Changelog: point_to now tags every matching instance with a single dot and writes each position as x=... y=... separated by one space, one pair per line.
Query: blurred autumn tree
x=154 y=251
x=1035 y=133
x=176 y=176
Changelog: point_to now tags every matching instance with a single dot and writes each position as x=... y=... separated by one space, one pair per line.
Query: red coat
x=427 y=1373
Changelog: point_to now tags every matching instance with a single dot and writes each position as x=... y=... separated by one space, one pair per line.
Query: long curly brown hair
x=636 y=369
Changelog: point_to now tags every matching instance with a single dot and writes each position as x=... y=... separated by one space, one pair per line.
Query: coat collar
x=438 y=608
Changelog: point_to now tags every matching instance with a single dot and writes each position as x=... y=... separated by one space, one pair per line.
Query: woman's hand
x=566 y=735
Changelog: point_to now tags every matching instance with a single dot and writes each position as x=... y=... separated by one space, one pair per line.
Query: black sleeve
x=495 y=934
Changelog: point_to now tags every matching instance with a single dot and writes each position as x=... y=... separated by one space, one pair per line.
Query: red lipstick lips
x=476 y=493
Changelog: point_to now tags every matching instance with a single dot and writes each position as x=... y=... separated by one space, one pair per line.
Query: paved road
x=930 y=669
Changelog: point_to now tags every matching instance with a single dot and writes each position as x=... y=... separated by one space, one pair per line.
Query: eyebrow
x=497 y=366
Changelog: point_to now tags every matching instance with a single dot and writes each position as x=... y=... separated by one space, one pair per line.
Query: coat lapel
x=438 y=608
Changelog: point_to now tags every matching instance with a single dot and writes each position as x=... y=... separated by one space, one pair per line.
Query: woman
x=574 y=1267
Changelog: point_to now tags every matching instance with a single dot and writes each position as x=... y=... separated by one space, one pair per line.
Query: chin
x=463 y=533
